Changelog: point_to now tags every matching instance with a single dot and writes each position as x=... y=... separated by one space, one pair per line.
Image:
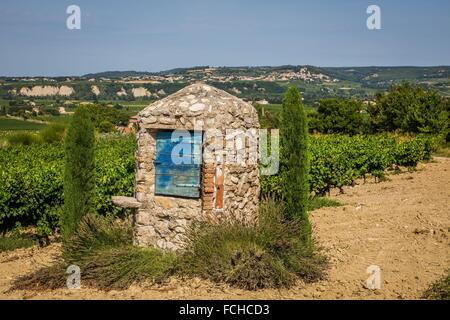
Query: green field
x=55 y=119
x=13 y=124
x=131 y=108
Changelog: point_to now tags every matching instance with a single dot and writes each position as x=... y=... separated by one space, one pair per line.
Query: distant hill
x=355 y=74
x=261 y=83
x=117 y=74
x=358 y=74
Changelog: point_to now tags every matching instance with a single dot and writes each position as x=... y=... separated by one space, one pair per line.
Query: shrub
x=104 y=117
x=431 y=143
x=410 y=109
x=96 y=232
x=270 y=255
x=50 y=133
x=282 y=238
x=254 y=268
x=118 y=268
x=341 y=116
x=46 y=278
x=106 y=126
x=409 y=153
x=53 y=133
x=79 y=172
x=48 y=222
x=23 y=138
x=212 y=247
x=103 y=249
x=440 y=290
x=295 y=161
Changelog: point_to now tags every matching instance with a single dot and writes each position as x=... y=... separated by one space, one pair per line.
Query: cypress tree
x=295 y=161
x=79 y=171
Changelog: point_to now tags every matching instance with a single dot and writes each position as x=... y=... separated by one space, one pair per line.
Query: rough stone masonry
x=229 y=188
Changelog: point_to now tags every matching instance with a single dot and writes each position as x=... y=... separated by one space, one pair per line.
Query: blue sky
x=149 y=35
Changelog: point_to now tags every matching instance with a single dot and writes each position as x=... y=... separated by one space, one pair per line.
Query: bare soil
x=401 y=225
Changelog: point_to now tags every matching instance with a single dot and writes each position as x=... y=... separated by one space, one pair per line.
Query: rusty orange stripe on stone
x=219 y=186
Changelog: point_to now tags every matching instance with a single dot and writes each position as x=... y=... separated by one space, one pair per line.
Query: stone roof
x=200 y=100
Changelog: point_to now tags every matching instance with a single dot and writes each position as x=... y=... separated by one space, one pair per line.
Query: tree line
x=404 y=108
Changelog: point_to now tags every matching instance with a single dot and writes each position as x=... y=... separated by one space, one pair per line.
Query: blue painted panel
x=177 y=164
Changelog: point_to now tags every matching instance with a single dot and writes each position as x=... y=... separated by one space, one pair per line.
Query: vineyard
x=31 y=181
x=31 y=177
x=338 y=160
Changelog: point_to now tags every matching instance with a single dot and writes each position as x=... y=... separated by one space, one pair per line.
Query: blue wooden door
x=177 y=164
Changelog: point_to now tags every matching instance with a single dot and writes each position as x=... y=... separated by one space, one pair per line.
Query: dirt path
x=401 y=225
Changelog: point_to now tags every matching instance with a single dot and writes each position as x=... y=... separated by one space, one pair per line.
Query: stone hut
x=196 y=159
